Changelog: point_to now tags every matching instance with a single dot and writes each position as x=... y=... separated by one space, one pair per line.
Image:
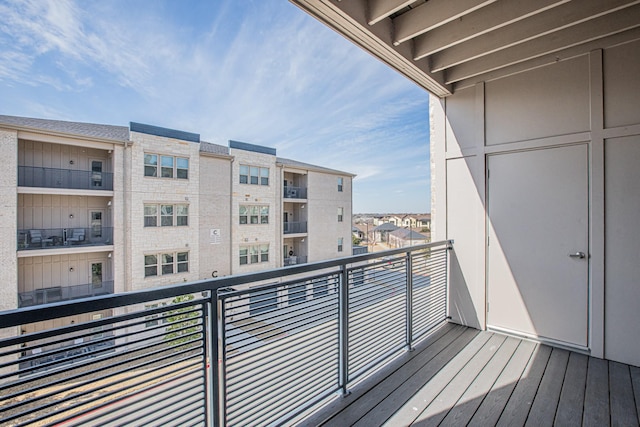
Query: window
x=254 y=254
x=182 y=168
x=340 y=241
x=254 y=175
x=170 y=166
x=167 y=166
x=183 y=262
x=340 y=214
x=170 y=262
x=254 y=214
x=340 y=184
x=167 y=263
x=150 y=215
x=150 y=265
x=150 y=165
x=244 y=174
x=182 y=215
x=166 y=215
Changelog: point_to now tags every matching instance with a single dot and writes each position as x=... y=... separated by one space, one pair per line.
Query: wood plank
x=432 y=14
x=596 y=395
x=421 y=393
x=473 y=397
x=517 y=409
x=635 y=381
x=623 y=408
x=361 y=403
x=439 y=407
x=495 y=401
x=543 y=409
x=393 y=402
x=380 y=9
x=571 y=405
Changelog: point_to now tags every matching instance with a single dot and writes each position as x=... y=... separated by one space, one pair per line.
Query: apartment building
x=96 y=209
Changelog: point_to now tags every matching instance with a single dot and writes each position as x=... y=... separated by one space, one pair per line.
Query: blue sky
x=258 y=71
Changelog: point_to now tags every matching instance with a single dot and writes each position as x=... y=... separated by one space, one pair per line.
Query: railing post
x=216 y=384
x=409 y=302
x=343 y=330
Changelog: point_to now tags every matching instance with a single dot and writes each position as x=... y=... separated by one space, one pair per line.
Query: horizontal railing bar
x=186 y=383
x=17 y=317
x=239 y=382
x=262 y=392
x=323 y=301
x=244 y=305
x=324 y=307
x=272 y=352
x=167 y=410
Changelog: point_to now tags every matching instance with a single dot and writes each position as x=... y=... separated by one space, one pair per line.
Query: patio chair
x=37 y=237
x=77 y=236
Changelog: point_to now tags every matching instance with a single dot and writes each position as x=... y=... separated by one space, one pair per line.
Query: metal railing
x=39 y=238
x=32 y=176
x=294 y=260
x=295 y=192
x=294 y=227
x=222 y=351
x=63 y=293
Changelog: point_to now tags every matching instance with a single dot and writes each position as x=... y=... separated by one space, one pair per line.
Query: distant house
x=402 y=237
x=381 y=232
x=423 y=221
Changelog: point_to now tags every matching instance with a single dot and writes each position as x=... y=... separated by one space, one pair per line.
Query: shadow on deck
x=462 y=376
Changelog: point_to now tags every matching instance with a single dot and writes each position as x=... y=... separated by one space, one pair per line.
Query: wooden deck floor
x=461 y=376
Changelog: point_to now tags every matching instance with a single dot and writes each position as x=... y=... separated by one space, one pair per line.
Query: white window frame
x=340 y=244
x=170 y=167
x=166 y=215
x=147 y=265
x=254 y=175
x=340 y=184
x=168 y=263
x=254 y=254
x=253 y=214
x=340 y=214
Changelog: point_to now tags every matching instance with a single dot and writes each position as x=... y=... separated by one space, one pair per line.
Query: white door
x=537 y=278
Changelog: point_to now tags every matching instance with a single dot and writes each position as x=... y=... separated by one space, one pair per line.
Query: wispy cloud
x=263 y=72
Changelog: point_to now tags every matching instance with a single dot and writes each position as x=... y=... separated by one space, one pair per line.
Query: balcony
x=63 y=293
x=328 y=345
x=295 y=227
x=58 y=238
x=30 y=176
x=284 y=348
x=293 y=260
x=295 y=192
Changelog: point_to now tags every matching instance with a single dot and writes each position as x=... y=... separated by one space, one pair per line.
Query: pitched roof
x=297 y=164
x=405 y=234
x=92 y=130
x=387 y=226
x=208 y=147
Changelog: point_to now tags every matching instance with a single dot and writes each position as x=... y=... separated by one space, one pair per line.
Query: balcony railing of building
x=32 y=176
x=63 y=293
x=220 y=352
x=295 y=192
x=38 y=238
x=293 y=260
x=295 y=227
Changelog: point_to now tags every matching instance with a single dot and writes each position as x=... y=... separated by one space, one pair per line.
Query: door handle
x=577 y=255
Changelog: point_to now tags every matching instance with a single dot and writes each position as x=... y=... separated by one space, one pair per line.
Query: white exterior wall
x=8 y=220
x=215 y=216
x=261 y=195
x=322 y=215
x=590 y=99
x=155 y=190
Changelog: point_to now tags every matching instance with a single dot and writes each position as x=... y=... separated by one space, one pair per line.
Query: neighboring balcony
x=31 y=176
x=63 y=293
x=293 y=260
x=295 y=192
x=64 y=237
x=295 y=227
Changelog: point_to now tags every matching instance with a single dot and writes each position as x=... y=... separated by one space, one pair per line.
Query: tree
x=183 y=322
x=355 y=240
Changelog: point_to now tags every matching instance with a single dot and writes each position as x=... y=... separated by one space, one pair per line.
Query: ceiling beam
x=432 y=14
x=587 y=31
x=552 y=58
x=494 y=16
x=380 y=9
x=559 y=18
